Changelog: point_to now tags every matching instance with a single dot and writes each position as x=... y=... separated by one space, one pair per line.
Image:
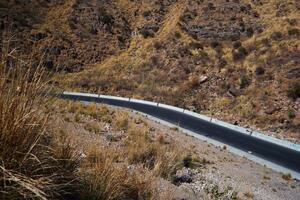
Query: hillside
x=236 y=60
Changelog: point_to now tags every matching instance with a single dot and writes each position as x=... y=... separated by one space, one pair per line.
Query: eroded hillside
x=237 y=60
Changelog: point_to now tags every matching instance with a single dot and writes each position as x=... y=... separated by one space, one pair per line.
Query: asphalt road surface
x=266 y=150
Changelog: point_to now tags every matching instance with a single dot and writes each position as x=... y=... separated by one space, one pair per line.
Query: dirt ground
x=222 y=175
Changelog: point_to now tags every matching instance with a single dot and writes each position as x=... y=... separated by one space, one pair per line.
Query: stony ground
x=218 y=175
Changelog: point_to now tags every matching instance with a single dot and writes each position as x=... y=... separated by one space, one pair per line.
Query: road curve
x=280 y=155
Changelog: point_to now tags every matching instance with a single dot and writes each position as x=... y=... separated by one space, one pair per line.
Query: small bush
x=177 y=35
x=192 y=82
x=222 y=63
x=215 y=44
x=105 y=180
x=294 y=91
x=146 y=13
x=276 y=36
x=293 y=32
x=196 y=45
x=187 y=161
x=211 y=6
x=287 y=177
x=239 y=54
x=249 y=32
x=259 y=71
x=121 y=120
x=147 y=33
x=92 y=127
x=291 y=114
x=158 y=45
x=237 y=44
x=244 y=81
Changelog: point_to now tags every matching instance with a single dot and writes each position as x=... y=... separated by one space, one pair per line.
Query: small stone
x=233 y=91
x=202 y=79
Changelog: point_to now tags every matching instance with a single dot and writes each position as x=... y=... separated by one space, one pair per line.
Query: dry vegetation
x=55 y=149
x=123 y=159
x=150 y=161
x=32 y=164
x=39 y=160
x=235 y=60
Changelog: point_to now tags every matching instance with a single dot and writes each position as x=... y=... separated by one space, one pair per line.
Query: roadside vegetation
x=40 y=160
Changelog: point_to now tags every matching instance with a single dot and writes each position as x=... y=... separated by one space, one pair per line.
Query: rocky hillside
x=237 y=60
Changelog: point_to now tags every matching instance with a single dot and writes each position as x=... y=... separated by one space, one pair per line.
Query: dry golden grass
x=172 y=78
x=21 y=127
x=33 y=165
x=103 y=178
x=162 y=159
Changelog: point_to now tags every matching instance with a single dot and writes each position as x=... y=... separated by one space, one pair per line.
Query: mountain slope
x=237 y=60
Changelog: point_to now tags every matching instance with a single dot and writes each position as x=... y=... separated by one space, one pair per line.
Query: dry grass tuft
x=103 y=178
x=32 y=164
x=162 y=159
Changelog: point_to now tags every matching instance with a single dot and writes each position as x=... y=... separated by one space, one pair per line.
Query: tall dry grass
x=30 y=168
x=38 y=164
x=104 y=178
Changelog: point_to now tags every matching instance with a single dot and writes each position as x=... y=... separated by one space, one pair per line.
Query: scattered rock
x=202 y=79
x=183 y=176
x=233 y=91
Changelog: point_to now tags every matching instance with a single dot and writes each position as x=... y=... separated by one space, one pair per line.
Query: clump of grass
x=92 y=127
x=21 y=127
x=104 y=179
x=248 y=195
x=141 y=149
x=294 y=91
x=121 y=120
x=245 y=81
x=32 y=164
x=239 y=54
x=259 y=70
x=291 y=114
x=287 y=177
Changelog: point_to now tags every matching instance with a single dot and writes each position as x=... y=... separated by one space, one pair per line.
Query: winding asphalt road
x=277 y=154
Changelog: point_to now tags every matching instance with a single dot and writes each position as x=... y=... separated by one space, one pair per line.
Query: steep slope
x=236 y=60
